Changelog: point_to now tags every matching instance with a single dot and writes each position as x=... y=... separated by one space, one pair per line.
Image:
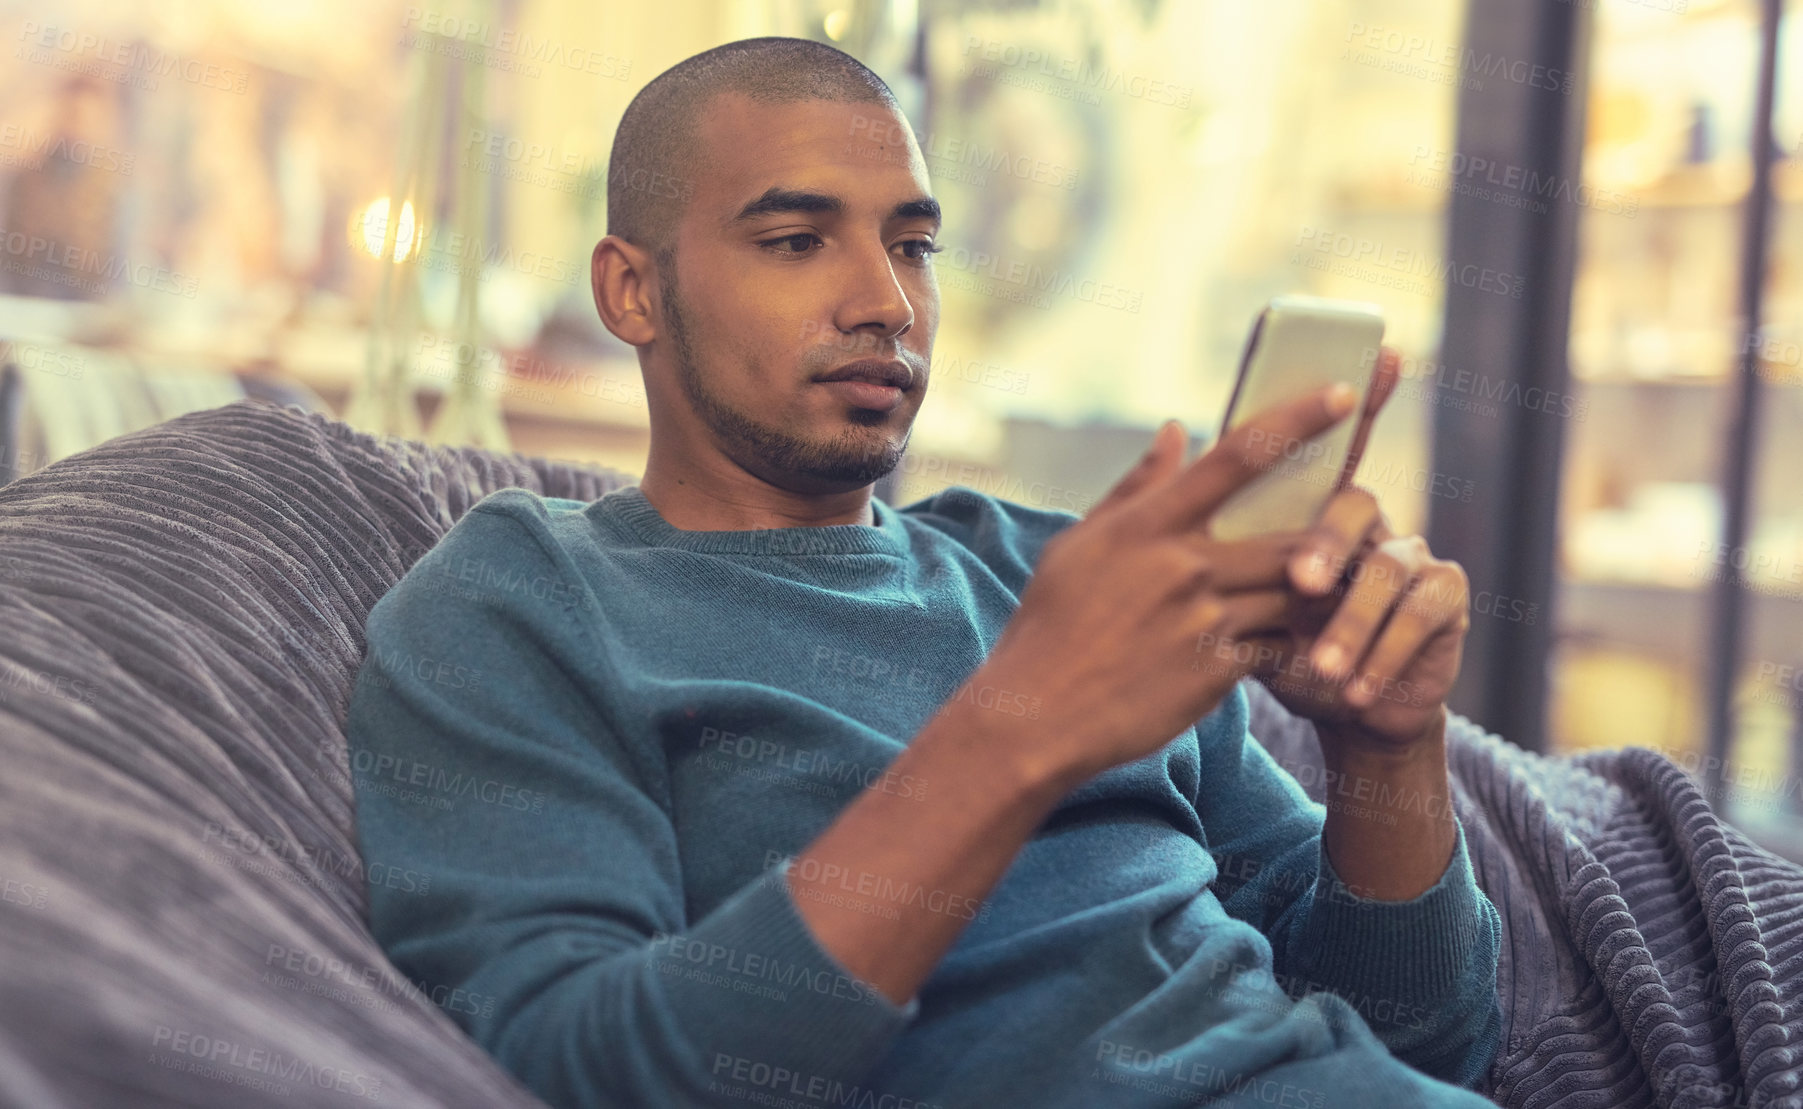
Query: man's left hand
x=1379 y=625
x=1376 y=634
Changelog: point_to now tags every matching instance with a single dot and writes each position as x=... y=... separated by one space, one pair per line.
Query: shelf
x=1771 y=373
x=601 y=394
x=1672 y=622
x=1617 y=379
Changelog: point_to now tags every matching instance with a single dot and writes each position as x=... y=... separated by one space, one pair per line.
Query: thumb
x=1162 y=459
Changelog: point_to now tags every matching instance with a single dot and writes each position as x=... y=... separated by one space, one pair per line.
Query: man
x=741 y=787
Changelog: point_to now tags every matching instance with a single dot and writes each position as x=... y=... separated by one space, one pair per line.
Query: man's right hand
x=1105 y=637
x=1109 y=624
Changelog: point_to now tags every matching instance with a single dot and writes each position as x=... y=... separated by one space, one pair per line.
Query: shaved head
x=785 y=364
x=651 y=169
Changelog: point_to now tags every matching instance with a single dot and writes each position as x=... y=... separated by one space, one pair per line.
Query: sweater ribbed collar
x=628 y=507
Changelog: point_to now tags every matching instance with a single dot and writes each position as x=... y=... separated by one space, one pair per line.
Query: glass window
x=1656 y=338
x=1127 y=185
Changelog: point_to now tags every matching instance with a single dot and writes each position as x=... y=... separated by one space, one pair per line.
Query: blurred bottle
x=1699 y=146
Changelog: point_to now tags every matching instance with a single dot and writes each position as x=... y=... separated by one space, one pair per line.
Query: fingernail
x=1340 y=399
x=1329 y=658
x=1309 y=570
x=1315 y=571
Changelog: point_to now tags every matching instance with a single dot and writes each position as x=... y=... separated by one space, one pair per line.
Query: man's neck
x=703 y=501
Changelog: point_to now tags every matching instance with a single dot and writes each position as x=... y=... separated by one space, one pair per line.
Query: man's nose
x=874 y=301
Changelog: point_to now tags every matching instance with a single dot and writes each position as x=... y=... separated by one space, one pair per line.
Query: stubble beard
x=849 y=459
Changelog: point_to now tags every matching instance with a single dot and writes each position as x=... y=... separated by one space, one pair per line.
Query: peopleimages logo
x=1038 y=279
x=1438 y=383
x=138 y=64
x=887 y=139
x=63 y=263
x=16 y=677
x=1353 y=256
x=254 y=1067
x=1080 y=73
x=372 y=769
x=1370 y=45
x=35 y=149
x=505 y=48
x=56 y=363
x=767 y=1084
x=24 y=894
x=361 y=984
x=807 y=762
x=880 y=888
x=1196 y=1082
x=455 y=252
x=1501 y=182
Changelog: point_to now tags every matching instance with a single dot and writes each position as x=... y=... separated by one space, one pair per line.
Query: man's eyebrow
x=924 y=207
x=777 y=200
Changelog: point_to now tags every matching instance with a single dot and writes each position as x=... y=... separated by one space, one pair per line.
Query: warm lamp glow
x=375 y=225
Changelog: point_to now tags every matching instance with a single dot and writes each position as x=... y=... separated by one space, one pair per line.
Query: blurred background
x=1583 y=221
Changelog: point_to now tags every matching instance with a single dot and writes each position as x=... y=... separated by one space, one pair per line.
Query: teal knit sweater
x=586 y=747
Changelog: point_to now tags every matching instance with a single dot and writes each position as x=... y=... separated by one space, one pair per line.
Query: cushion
x=182 y=903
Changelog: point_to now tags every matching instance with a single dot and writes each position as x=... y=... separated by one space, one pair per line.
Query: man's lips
x=876 y=371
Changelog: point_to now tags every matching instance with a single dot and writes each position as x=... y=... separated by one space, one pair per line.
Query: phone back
x=1299 y=344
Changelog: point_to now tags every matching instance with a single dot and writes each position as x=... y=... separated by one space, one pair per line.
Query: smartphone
x=1298 y=344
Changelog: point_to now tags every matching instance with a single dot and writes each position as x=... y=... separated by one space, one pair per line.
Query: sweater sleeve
x=1421 y=972
x=521 y=857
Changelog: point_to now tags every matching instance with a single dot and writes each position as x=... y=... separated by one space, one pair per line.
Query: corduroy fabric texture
x=182 y=910
x=181 y=616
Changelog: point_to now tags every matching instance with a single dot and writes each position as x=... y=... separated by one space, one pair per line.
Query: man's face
x=802 y=250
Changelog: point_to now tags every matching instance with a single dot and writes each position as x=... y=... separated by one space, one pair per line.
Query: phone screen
x=1298 y=344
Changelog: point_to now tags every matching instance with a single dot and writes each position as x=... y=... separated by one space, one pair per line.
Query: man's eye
x=921 y=248
x=799 y=241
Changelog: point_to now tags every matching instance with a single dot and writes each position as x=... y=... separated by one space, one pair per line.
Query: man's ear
x=621 y=276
